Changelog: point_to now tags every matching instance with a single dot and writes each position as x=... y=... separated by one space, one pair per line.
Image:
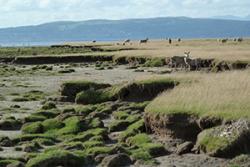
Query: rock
x=184 y=148
x=155 y=149
x=117 y=126
x=31 y=147
x=5 y=141
x=225 y=141
x=138 y=70
x=18 y=148
x=15 y=106
x=116 y=160
x=10 y=124
x=209 y=122
x=100 y=157
x=100 y=115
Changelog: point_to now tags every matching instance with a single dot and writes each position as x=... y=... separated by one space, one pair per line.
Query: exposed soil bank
x=7 y=59
x=60 y=59
x=144 y=92
x=181 y=126
x=86 y=92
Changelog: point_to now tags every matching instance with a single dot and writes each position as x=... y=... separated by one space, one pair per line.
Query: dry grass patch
x=222 y=95
x=200 y=48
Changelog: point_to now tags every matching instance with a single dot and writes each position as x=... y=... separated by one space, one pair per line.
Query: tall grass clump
x=222 y=95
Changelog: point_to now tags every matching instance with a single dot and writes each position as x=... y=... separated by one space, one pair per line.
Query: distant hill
x=106 y=30
x=232 y=17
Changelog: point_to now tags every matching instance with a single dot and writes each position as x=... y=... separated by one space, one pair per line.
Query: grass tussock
x=140 y=90
x=222 y=95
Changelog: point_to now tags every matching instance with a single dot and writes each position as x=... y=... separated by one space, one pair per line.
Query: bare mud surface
x=190 y=160
x=15 y=85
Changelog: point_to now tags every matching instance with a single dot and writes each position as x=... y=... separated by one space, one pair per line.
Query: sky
x=32 y=12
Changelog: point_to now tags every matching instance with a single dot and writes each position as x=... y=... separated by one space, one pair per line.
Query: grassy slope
x=223 y=95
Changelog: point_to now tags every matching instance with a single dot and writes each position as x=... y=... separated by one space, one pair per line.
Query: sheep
x=144 y=41
x=180 y=61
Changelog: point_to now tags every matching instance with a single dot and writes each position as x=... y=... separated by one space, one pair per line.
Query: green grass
x=32 y=128
x=33 y=51
x=94 y=96
x=100 y=150
x=33 y=95
x=118 y=125
x=86 y=109
x=86 y=135
x=95 y=123
x=92 y=143
x=71 y=88
x=52 y=124
x=2 y=98
x=49 y=105
x=135 y=128
x=30 y=137
x=9 y=70
x=7 y=162
x=138 y=139
x=155 y=62
x=56 y=158
x=120 y=115
x=210 y=142
x=72 y=126
x=151 y=86
x=44 y=141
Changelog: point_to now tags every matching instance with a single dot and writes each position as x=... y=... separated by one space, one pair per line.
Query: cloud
x=26 y=12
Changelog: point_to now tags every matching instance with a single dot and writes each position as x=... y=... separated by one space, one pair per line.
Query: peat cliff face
x=181 y=126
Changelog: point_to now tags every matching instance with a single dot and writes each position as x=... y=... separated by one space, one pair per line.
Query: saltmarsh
x=221 y=95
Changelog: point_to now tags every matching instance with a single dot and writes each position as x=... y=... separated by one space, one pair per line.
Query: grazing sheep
x=144 y=41
x=240 y=39
x=170 y=41
x=180 y=61
x=224 y=40
x=127 y=41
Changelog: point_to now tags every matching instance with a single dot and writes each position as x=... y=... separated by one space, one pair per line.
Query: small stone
x=5 y=142
x=100 y=157
x=116 y=160
x=15 y=106
x=184 y=148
